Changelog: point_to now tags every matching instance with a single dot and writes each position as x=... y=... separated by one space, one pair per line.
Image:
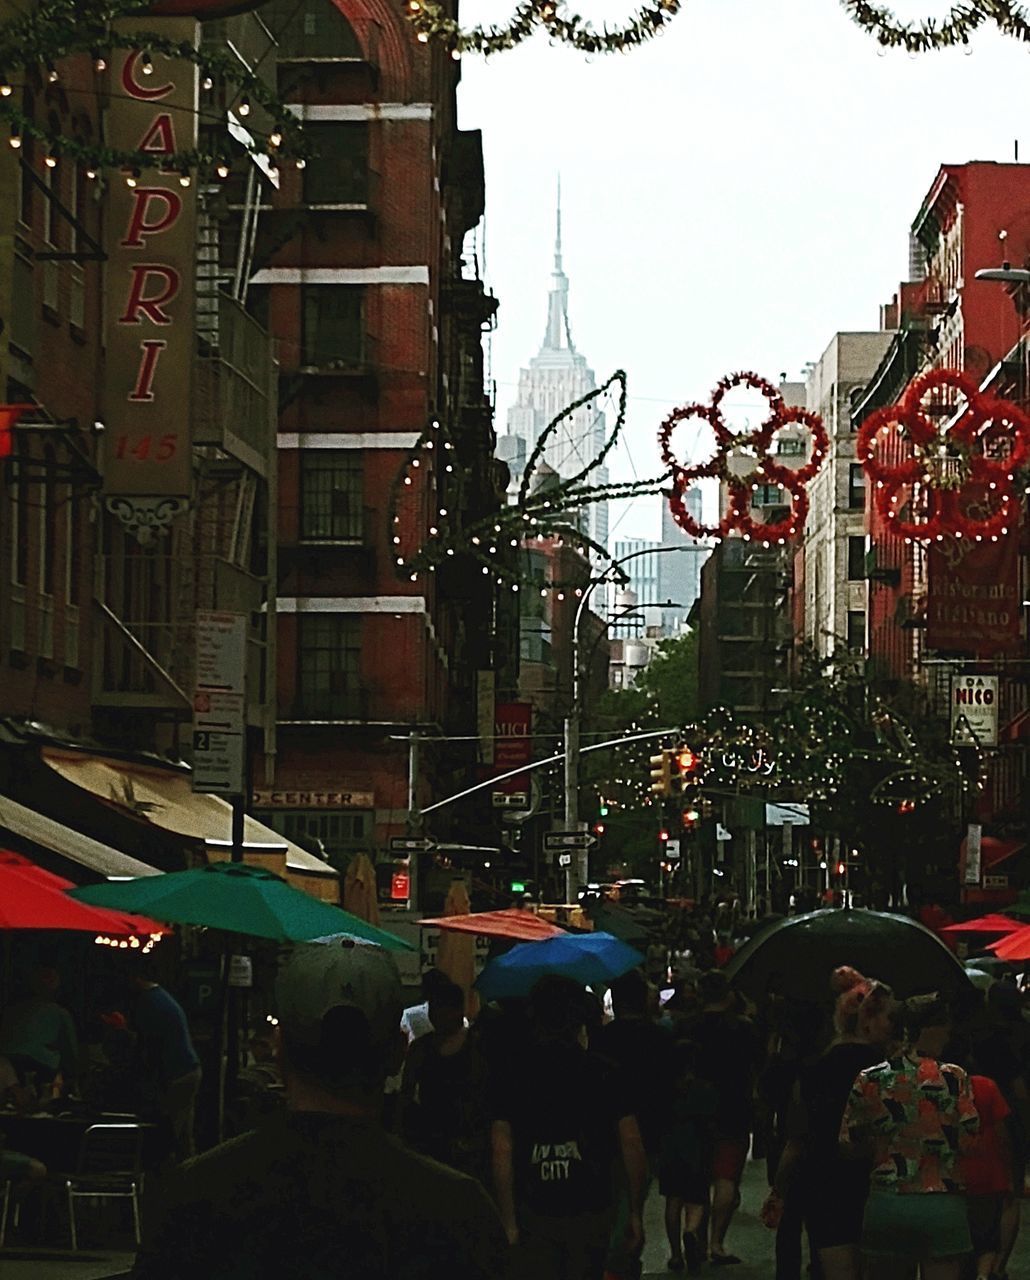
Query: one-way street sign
x=410 y=844
x=554 y=841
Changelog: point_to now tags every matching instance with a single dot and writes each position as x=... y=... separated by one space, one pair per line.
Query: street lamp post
x=572 y=720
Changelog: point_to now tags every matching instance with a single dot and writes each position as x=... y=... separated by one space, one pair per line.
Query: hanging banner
x=974 y=711
x=150 y=312
x=513 y=745
x=973 y=600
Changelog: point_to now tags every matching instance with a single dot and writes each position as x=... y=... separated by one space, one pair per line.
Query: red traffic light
x=9 y=415
x=687 y=761
x=598 y=828
x=663 y=835
x=842 y=869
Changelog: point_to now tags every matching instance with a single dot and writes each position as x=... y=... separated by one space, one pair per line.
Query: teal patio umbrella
x=239 y=899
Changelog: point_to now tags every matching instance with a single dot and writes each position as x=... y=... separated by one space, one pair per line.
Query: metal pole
x=572 y=720
x=414 y=820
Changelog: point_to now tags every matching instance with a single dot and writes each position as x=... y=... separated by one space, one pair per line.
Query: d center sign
x=974 y=710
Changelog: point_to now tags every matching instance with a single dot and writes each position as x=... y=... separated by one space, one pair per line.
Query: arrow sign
x=555 y=841
x=410 y=844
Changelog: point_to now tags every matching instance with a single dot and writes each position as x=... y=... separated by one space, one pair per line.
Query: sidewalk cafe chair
x=109 y=1168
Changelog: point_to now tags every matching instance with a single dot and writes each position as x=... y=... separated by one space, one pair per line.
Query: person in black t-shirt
x=833 y=1185
x=443 y=1090
x=728 y=1053
x=642 y=1052
x=561 y=1122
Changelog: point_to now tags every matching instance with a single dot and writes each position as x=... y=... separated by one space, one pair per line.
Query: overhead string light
x=497 y=542
x=432 y=22
x=47 y=33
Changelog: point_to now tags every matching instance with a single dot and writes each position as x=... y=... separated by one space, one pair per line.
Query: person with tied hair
x=322 y=1191
x=832 y=1185
x=913 y=1116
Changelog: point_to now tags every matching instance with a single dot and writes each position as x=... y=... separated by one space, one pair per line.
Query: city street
x=748 y=1238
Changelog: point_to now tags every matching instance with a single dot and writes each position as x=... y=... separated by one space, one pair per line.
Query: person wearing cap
x=321 y=1190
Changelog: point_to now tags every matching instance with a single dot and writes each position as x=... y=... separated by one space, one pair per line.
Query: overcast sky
x=734 y=193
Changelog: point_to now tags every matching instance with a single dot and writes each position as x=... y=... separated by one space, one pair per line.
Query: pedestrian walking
x=641 y=1051
x=444 y=1088
x=685 y=1159
x=911 y=1116
x=728 y=1055
x=829 y=1184
x=987 y=1174
x=562 y=1126
x=322 y=1191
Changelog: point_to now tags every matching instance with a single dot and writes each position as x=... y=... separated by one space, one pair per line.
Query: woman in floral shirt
x=913 y=1115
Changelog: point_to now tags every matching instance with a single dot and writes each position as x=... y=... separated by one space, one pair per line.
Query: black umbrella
x=617 y=921
x=799 y=954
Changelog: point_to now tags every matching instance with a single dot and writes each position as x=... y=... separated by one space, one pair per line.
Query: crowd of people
x=140 y=1060
x=523 y=1142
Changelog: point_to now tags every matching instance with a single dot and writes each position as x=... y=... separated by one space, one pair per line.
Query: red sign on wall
x=400 y=886
x=149 y=326
x=513 y=743
x=973 y=601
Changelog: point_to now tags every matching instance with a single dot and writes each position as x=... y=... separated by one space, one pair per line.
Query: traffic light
x=691 y=817
x=9 y=415
x=661 y=774
x=663 y=836
x=598 y=828
x=603 y=810
x=842 y=869
x=685 y=768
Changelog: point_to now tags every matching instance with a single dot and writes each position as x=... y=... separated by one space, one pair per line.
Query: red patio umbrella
x=32 y=898
x=1015 y=947
x=522 y=926
x=991 y=923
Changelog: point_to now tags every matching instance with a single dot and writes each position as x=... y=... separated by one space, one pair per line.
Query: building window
x=331 y=505
x=856 y=487
x=856 y=631
x=768 y=495
x=329 y=666
x=334 y=835
x=20 y=508
x=333 y=320
x=856 y=559
x=791 y=447
x=341 y=174
x=311 y=29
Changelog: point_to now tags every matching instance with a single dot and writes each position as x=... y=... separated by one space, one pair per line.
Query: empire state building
x=555 y=377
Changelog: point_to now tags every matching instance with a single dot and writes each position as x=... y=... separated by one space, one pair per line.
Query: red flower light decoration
x=957 y=474
x=742 y=461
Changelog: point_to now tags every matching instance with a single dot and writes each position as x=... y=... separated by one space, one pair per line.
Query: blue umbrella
x=586 y=957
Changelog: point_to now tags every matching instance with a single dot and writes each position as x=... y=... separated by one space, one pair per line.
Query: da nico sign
x=974 y=711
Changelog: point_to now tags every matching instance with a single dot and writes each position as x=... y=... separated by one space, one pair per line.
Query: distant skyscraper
x=554 y=378
x=679 y=572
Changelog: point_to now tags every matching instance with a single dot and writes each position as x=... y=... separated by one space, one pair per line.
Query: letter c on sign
x=143 y=93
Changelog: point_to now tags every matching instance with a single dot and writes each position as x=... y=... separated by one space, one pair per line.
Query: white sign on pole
x=221 y=651
x=974 y=711
x=220 y=704
x=974 y=835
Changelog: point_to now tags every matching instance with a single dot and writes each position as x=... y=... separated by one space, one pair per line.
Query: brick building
x=377 y=317
x=935 y=613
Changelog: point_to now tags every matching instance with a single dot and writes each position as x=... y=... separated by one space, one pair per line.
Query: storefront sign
x=973 y=600
x=149 y=322
x=313 y=800
x=513 y=745
x=974 y=710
